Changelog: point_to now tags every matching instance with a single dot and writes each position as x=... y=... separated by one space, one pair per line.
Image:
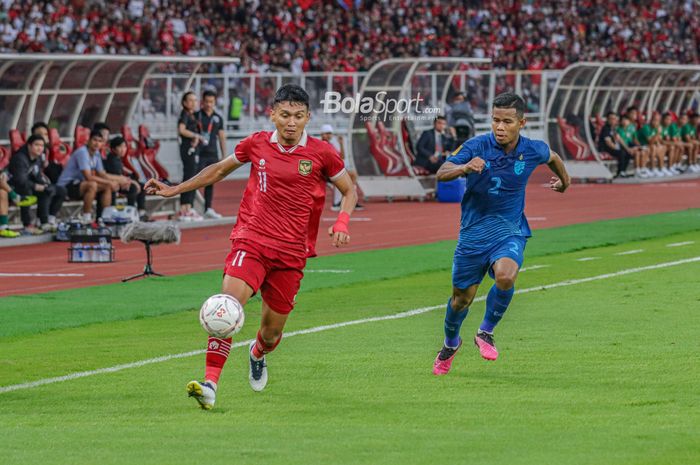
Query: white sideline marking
x=587 y=259
x=317 y=329
x=537 y=218
x=327 y=219
x=630 y=252
x=327 y=271
x=40 y=275
x=680 y=244
x=534 y=267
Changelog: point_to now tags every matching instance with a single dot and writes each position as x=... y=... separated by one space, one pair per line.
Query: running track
x=381 y=225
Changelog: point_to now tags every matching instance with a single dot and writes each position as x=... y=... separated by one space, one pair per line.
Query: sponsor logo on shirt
x=519 y=166
x=305 y=167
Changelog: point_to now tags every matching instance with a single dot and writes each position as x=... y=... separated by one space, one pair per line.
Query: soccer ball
x=221 y=316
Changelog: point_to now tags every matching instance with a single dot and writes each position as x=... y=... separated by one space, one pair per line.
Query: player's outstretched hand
x=338 y=238
x=155 y=187
x=557 y=185
x=475 y=165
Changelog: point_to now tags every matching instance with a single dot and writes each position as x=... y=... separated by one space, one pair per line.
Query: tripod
x=148 y=268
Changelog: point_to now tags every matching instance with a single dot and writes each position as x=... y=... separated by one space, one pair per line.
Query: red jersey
x=285 y=194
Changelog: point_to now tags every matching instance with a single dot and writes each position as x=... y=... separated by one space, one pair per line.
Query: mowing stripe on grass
x=317 y=329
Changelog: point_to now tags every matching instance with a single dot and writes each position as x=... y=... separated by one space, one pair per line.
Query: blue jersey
x=494 y=202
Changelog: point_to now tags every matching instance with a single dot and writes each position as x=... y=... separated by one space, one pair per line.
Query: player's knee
x=270 y=335
x=505 y=280
x=90 y=186
x=461 y=302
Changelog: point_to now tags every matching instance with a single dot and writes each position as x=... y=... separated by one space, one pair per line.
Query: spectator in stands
x=627 y=132
x=210 y=127
x=609 y=141
x=84 y=177
x=689 y=135
x=650 y=135
x=27 y=178
x=434 y=146
x=41 y=129
x=460 y=116
x=339 y=146
x=189 y=145
x=114 y=165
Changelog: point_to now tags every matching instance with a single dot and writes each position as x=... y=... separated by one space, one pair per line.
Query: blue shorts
x=469 y=268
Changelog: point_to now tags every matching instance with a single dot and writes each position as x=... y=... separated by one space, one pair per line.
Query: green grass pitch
x=594 y=372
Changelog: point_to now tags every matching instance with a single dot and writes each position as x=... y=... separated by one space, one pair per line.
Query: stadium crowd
x=327 y=35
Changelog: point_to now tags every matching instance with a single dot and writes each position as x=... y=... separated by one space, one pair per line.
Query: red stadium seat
x=388 y=141
x=408 y=146
x=80 y=136
x=148 y=151
x=59 y=152
x=386 y=163
x=578 y=149
x=17 y=140
x=5 y=155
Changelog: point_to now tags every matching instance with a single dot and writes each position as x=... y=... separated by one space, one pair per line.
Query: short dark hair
x=39 y=124
x=438 y=118
x=510 y=100
x=208 y=93
x=95 y=133
x=632 y=108
x=116 y=142
x=607 y=115
x=100 y=126
x=291 y=93
x=35 y=137
x=185 y=95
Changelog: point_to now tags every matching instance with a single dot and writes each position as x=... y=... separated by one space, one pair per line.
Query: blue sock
x=496 y=305
x=453 y=322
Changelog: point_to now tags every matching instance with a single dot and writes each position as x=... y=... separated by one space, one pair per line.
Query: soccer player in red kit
x=277 y=226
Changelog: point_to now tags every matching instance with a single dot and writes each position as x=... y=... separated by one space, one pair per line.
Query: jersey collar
x=274 y=139
x=496 y=145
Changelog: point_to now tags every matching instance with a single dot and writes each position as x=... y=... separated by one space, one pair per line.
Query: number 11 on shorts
x=238 y=259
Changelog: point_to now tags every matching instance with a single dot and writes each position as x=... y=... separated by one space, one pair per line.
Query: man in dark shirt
x=27 y=178
x=114 y=164
x=210 y=127
x=434 y=146
x=608 y=141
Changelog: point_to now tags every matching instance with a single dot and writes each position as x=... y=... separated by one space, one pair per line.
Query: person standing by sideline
x=189 y=145
x=210 y=126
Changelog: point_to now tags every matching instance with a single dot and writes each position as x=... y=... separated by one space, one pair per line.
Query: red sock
x=261 y=347
x=217 y=353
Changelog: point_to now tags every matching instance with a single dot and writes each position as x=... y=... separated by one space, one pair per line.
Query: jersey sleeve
x=242 y=151
x=334 y=167
x=462 y=154
x=542 y=151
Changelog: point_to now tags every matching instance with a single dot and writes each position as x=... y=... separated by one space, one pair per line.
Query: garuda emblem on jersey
x=305 y=167
x=519 y=166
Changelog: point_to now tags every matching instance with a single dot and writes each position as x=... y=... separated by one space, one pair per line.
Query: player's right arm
x=208 y=176
x=449 y=171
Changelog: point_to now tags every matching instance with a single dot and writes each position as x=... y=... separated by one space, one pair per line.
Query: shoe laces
x=256 y=367
x=446 y=353
x=486 y=337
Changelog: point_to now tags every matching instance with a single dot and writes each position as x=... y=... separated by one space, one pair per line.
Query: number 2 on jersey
x=496 y=181
x=262 y=181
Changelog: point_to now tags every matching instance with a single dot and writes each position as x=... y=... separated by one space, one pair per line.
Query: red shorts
x=277 y=275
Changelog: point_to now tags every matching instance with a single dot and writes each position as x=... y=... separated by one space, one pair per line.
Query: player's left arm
x=208 y=176
x=340 y=231
x=561 y=181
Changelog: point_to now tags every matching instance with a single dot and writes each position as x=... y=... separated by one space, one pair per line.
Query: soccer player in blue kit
x=494 y=229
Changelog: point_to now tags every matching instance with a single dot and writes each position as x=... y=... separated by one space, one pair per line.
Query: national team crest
x=305 y=167
x=519 y=165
